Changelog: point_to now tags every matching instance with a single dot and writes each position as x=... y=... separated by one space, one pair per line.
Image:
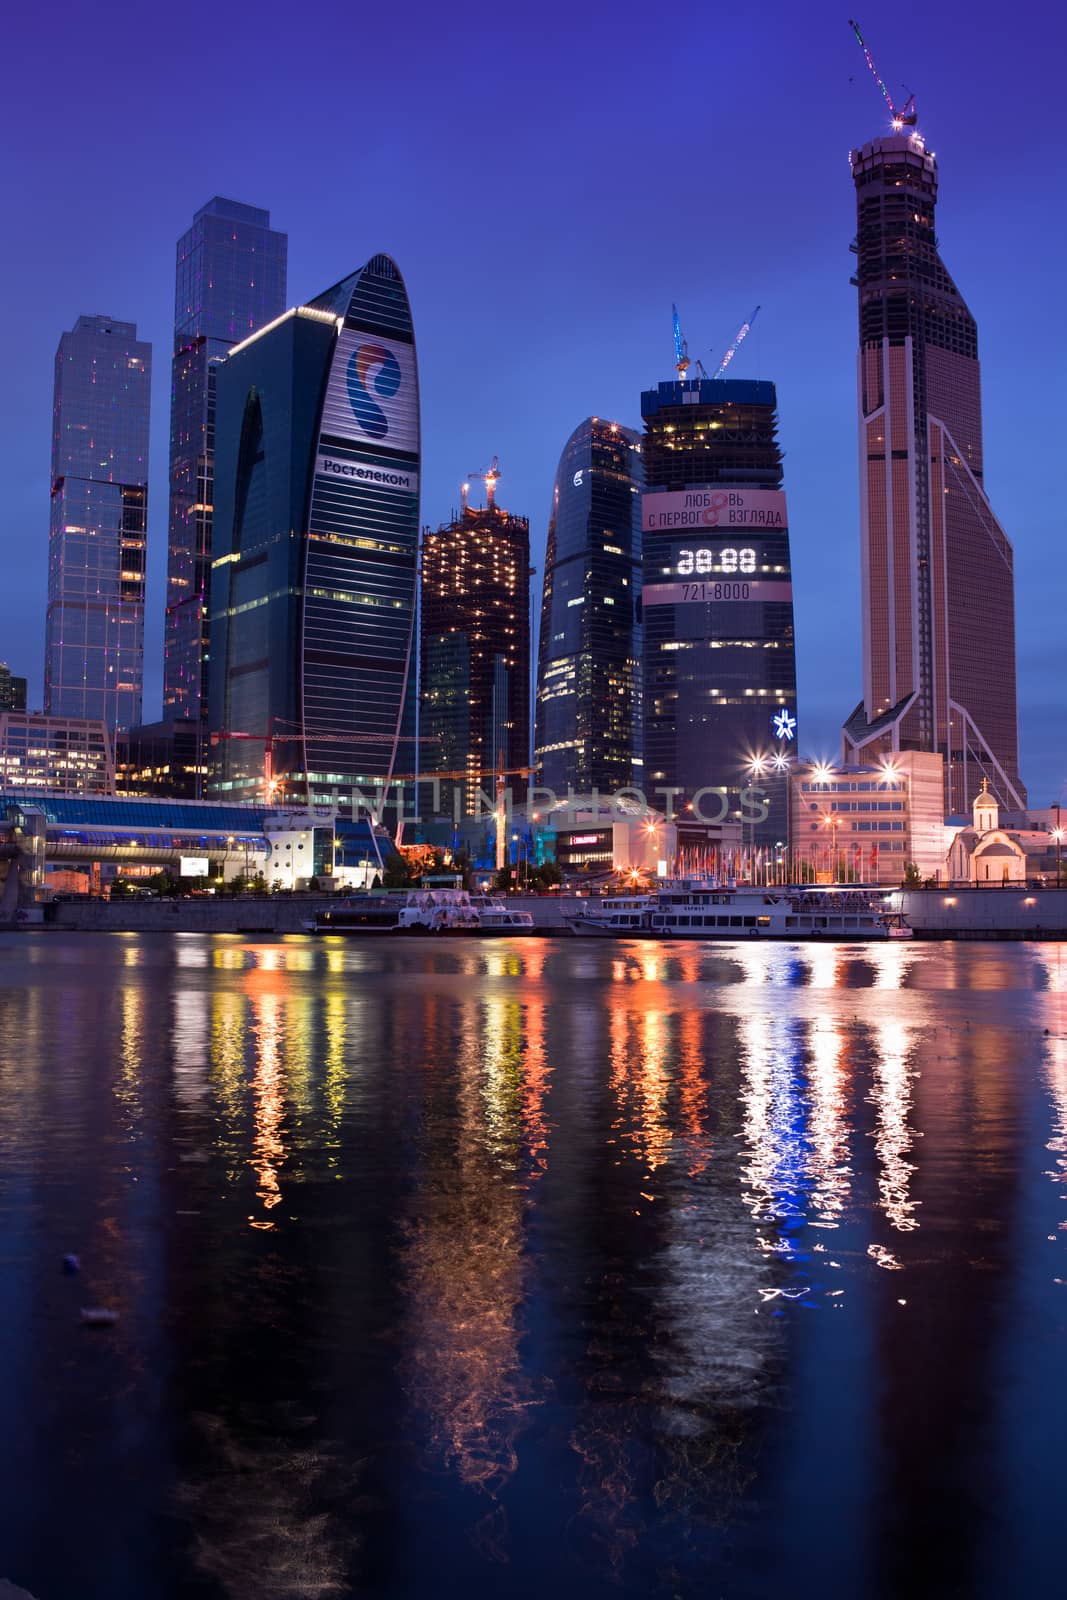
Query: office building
x=588 y=716
x=315 y=547
x=230 y=281
x=12 y=690
x=937 y=568
x=94 y=645
x=161 y=758
x=866 y=823
x=719 y=666
x=60 y=755
x=475 y=657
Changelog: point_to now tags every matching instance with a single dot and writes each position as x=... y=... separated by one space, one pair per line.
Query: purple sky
x=549 y=179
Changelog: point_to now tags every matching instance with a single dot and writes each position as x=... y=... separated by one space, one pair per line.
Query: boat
x=422 y=911
x=695 y=909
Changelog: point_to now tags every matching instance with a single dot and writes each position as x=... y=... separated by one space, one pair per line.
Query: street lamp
x=756 y=767
x=1058 y=835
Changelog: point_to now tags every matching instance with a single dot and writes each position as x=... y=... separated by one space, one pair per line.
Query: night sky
x=549 y=179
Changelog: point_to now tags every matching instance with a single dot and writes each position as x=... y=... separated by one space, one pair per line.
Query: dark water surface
x=532 y=1268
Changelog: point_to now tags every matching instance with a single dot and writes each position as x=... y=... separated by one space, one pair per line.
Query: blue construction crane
x=681 y=349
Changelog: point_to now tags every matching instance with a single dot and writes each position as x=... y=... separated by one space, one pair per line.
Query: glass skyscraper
x=230 y=281
x=720 y=668
x=937 y=569
x=94 y=644
x=315 y=547
x=588 y=722
x=475 y=655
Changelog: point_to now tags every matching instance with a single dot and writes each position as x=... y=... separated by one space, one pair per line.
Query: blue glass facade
x=94 y=647
x=717 y=602
x=316 y=545
x=588 y=725
x=230 y=280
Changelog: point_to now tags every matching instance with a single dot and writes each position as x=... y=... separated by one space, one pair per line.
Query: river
x=527 y=1267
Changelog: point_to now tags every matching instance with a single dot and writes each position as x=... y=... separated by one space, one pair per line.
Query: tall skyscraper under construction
x=936 y=566
x=229 y=281
x=720 y=668
x=94 y=647
x=475 y=683
x=588 y=732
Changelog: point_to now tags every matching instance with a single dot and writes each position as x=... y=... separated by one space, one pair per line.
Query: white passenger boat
x=422 y=911
x=699 y=910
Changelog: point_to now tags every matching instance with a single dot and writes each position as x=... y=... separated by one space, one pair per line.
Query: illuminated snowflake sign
x=784 y=725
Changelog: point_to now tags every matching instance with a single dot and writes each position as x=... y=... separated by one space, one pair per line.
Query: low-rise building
x=63 y=755
x=865 y=824
x=596 y=838
x=990 y=852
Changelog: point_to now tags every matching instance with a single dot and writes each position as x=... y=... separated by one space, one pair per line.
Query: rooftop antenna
x=904 y=116
x=739 y=338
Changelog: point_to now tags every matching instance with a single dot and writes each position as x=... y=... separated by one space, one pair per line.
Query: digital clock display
x=700 y=561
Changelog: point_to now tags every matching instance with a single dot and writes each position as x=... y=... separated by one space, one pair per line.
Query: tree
x=397 y=871
x=913 y=878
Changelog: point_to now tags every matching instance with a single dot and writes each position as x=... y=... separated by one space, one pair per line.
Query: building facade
x=475 y=657
x=12 y=690
x=60 y=755
x=589 y=691
x=936 y=567
x=865 y=824
x=230 y=280
x=719 y=663
x=94 y=642
x=315 y=547
x=161 y=758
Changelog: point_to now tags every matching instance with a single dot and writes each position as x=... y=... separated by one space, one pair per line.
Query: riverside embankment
x=1009 y=913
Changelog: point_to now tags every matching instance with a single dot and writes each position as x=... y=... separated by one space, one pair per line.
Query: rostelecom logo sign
x=372 y=370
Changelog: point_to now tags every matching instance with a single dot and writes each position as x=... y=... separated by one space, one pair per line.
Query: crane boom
x=681 y=349
x=739 y=338
x=904 y=116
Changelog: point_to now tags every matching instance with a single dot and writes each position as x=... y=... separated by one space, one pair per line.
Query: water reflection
x=436 y=1258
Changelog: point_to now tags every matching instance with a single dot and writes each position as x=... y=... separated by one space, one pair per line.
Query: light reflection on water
x=462 y=1265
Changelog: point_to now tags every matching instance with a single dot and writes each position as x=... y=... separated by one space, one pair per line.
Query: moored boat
x=438 y=911
x=692 y=909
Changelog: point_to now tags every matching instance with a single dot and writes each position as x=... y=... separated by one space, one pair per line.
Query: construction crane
x=467 y=775
x=489 y=477
x=682 y=362
x=739 y=338
x=681 y=349
x=298 y=735
x=904 y=116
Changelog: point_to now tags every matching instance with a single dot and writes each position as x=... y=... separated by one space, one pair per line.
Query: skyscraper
x=230 y=281
x=94 y=641
x=936 y=566
x=315 y=545
x=588 y=726
x=12 y=690
x=719 y=660
x=475 y=656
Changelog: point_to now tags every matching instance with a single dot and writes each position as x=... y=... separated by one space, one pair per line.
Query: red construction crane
x=904 y=116
x=298 y=735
